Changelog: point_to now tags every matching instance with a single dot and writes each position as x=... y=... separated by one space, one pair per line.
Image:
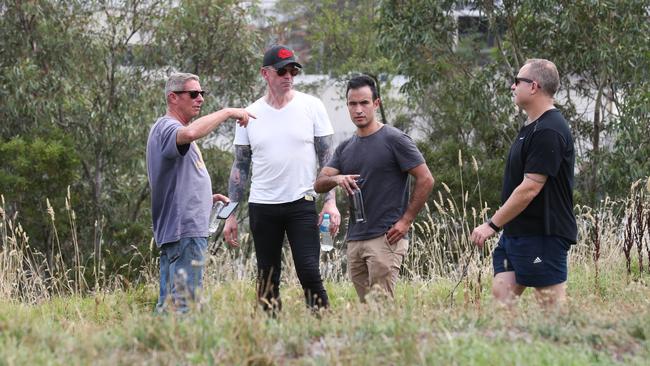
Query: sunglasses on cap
x=192 y=93
x=281 y=72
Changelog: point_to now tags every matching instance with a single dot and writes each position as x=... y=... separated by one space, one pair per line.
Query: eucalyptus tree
x=460 y=87
x=90 y=75
x=602 y=50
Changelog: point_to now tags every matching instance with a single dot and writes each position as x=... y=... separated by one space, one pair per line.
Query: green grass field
x=65 y=311
x=604 y=325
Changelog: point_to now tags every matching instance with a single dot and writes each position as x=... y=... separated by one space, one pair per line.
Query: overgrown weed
x=442 y=312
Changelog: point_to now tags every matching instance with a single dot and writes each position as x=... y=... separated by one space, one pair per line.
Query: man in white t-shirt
x=292 y=133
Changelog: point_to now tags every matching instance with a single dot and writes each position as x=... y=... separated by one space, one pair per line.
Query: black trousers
x=299 y=220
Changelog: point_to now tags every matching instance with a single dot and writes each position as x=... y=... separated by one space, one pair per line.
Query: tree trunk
x=381 y=105
x=595 y=141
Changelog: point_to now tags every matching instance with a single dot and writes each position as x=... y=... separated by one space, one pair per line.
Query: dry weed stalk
x=634 y=226
x=80 y=282
x=629 y=237
x=639 y=227
x=21 y=276
x=595 y=237
x=440 y=248
x=647 y=220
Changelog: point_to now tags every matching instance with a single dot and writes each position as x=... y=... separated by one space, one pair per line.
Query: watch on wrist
x=493 y=226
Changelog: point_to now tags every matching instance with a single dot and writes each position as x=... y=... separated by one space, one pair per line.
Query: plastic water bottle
x=326 y=242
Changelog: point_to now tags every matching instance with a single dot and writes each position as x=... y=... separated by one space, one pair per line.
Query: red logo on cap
x=284 y=53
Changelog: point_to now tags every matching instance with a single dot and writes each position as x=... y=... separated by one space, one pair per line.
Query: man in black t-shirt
x=537 y=211
x=384 y=157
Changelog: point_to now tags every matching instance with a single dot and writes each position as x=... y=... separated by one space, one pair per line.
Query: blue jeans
x=181 y=272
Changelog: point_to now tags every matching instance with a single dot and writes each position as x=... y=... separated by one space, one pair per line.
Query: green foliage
x=418 y=36
x=340 y=39
x=81 y=82
x=602 y=52
x=460 y=97
x=212 y=39
x=458 y=83
x=37 y=59
x=342 y=35
x=629 y=157
x=218 y=162
x=31 y=172
x=95 y=71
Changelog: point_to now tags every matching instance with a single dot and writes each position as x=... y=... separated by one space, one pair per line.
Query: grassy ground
x=51 y=314
x=602 y=324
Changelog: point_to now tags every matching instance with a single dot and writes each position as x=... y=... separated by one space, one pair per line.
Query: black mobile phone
x=226 y=210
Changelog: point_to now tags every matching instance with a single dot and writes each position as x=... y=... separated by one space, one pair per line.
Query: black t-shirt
x=383 y=160
x=545 y=146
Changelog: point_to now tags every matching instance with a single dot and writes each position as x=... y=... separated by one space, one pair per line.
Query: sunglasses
x=519 y=80
x=192 y=93
x=293 y=71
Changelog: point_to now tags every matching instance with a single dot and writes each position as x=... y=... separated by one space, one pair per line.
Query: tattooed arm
x=239 y=172
x=236 y=186
x=323 y=146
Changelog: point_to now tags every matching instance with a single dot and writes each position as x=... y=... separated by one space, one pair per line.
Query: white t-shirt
x=282 y=145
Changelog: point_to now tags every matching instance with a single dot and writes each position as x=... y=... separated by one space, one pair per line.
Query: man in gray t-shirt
x=181 y=190
x=384 y=157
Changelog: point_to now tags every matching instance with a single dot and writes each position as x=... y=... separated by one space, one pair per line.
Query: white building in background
x=332 y=93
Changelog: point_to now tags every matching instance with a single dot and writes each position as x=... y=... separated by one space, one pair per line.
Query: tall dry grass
x=614 y=232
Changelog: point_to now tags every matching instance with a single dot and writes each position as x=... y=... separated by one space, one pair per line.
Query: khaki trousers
x=374 y=264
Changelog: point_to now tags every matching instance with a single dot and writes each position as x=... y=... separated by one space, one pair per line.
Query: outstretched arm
x=206 y=124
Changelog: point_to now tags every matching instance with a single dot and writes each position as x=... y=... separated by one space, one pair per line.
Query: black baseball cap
x=279 y=56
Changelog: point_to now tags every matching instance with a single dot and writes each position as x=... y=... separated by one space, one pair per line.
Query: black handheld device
x=227 y=210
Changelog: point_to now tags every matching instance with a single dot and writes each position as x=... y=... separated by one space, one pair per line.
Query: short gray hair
x=545 y=73
x=176 y=82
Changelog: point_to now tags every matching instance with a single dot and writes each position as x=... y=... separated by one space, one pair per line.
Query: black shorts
x=538 y=261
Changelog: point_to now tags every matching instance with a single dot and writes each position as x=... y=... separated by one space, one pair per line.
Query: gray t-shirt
x=181 y=190
x=383 y=160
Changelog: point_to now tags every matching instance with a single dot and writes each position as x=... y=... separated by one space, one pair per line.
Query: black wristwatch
x=493 y=226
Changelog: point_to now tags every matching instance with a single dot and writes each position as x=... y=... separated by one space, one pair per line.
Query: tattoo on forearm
x=239 y=173
x=330 y=196
x=323 y=146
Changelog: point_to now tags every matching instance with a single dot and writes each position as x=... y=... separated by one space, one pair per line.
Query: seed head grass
x=443 y=311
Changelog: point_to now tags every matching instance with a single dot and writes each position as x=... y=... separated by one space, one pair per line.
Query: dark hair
x=358 y=82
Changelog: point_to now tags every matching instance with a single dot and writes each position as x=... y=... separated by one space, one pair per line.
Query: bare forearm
x=202 y=126
x=239 y=173
x=324 y=183
x=330 y=197
x=206 y=124
x=514 y=205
